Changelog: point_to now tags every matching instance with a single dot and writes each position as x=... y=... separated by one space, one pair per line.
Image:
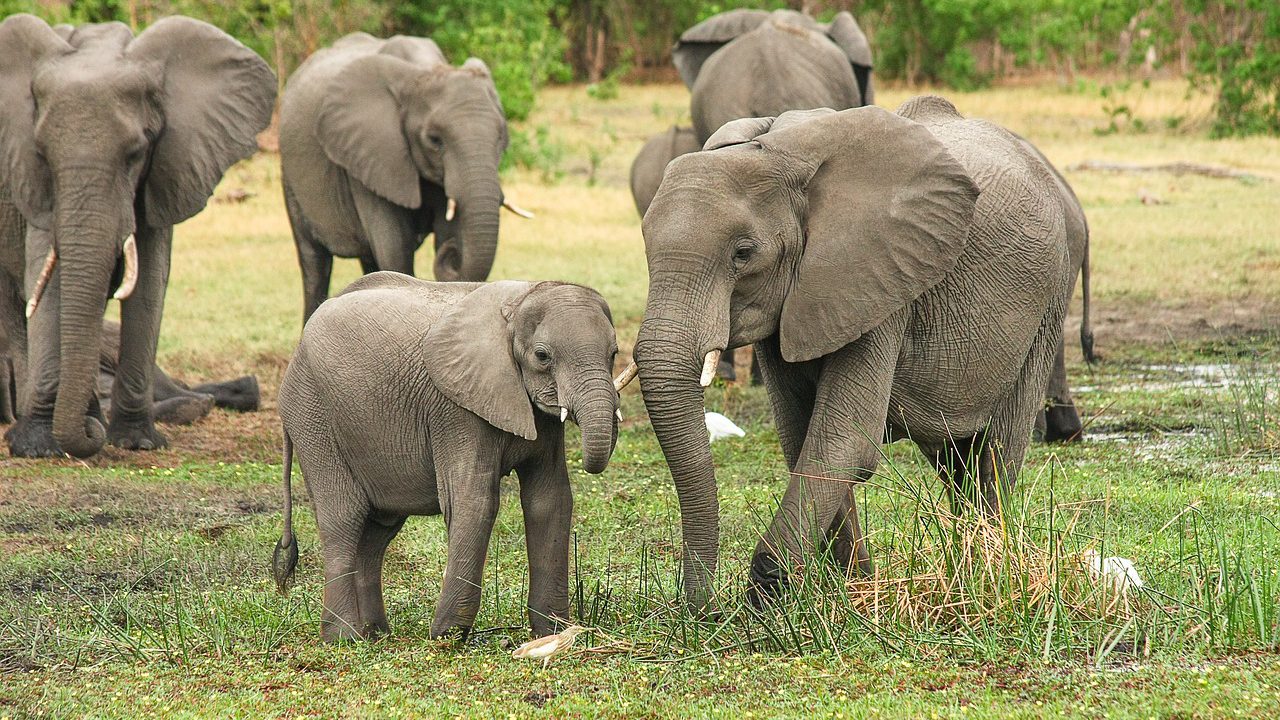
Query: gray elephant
x=422 y=413
x=174 y=402
x=900 y=276
x=753 y=63
x=383 y=142
x=108 y=141
x=658 y=150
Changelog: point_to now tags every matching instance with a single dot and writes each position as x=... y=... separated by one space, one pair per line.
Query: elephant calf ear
x=468 y=356
x=217 y=96
x=846 y=34
x=889 y=211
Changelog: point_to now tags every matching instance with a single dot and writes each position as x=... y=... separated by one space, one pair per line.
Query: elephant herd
x=899 y=275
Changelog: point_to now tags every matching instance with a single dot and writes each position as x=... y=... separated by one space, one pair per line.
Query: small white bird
x=1122 y=573
x=720 y=426
x=546 y=648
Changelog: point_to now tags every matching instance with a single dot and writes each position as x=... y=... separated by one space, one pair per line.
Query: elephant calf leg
x=378 y=532
x=846 y=542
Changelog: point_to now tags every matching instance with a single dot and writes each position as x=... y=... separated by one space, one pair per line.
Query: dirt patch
x=1124 y=324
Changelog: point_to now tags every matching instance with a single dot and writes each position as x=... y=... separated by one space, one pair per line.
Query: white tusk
x=564 y=414
x=618 y=412
x=450 y=210
x=709 y=368
x=130 y=280
x=626 y=376
x=45 y=273
x=517 y=209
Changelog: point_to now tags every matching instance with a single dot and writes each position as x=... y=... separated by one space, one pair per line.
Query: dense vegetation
x=1231 y=47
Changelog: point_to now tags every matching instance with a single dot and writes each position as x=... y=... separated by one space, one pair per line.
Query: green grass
x=137 y=585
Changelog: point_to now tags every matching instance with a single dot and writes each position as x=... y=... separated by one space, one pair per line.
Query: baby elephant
x=407 y=397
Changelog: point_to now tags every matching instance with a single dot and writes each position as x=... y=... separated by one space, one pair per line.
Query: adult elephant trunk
x=87 y=255
x=669 y=377
x=479 y=198
x=594 y=412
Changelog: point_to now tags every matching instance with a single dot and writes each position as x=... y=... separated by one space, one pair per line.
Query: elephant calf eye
x=436 y=141
x=743 y=254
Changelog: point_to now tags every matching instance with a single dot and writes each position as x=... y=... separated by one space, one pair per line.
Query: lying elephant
x=423 y=412
x=906 y=270
x=174 y=403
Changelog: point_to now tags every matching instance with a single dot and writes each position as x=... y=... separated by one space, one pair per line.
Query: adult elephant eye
x=743 y=254
x=542 y=355
x=436 y=141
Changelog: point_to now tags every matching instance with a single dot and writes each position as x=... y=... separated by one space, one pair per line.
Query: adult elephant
x=753 y=63
x=651 y=161
x=383 y=142
x=900 y=275
x=108 y=141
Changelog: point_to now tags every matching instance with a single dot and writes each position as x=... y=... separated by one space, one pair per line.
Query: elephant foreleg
x=841 y=449
x=547 y=501
x=469 y=501
x=791 y=396
x=132 y=424
x=32 y=434
x=388 y=230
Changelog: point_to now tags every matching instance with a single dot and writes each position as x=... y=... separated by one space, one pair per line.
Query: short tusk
x=130 y=280
x=45 y=273
x=564 y=414
x=517 y=209
x=709 y=367
x=618 y=413
x=450 y=210
x=626 y=376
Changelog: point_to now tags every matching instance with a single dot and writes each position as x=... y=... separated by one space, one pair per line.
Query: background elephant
x=383 y=142
x=900 y=275
x=109 y=140
x=658 y=150
x=752 y=63
x=423 y=412
x=174 y=402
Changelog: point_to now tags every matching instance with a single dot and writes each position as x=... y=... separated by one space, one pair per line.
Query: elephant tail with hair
x=1086 y=327
x=285 y=558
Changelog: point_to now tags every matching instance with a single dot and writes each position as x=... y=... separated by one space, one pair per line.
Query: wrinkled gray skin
x=375 y=136
x=752 y=63
x=1059 y=421
x=423 y=412
x=104 y=135
x=658 y=150
x=175 y=402
x=900 y=275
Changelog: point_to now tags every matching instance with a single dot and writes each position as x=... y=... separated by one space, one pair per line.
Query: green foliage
x=516 y=40
x=1237 y=52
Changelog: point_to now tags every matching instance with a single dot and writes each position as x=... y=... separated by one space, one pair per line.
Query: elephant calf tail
x=1086 y=327
x=285 y=558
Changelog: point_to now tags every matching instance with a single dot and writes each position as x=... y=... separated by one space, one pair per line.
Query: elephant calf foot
x=768 y=580
x=182 y=410
x=130 y=434
x=32 y=437
x=241 y=394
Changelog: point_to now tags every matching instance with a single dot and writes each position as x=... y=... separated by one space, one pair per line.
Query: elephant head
x=651 y=161
x=102 y=133
x=702 y=41
x=395 y=118
x=813 y=228
x=508 y=350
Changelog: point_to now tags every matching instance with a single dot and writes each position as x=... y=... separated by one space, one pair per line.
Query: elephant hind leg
x=342 y=513
x=378 y=532
x=846 y=542
x=1061 y=419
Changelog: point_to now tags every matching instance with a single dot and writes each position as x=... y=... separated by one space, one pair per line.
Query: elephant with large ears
x=108 y=140
x=383 y=142
x=408 y=397
x=751 y=63
x=900 y=275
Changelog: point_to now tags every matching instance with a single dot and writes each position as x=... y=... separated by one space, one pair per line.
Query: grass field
x=137 y=585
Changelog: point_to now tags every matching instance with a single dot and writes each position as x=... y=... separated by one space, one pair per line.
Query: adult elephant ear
x=217 y=96
x=702 y=40
x=468 y=355
x=359 y=126
x=25 y=42
x=888 y=216
x=846 y=34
